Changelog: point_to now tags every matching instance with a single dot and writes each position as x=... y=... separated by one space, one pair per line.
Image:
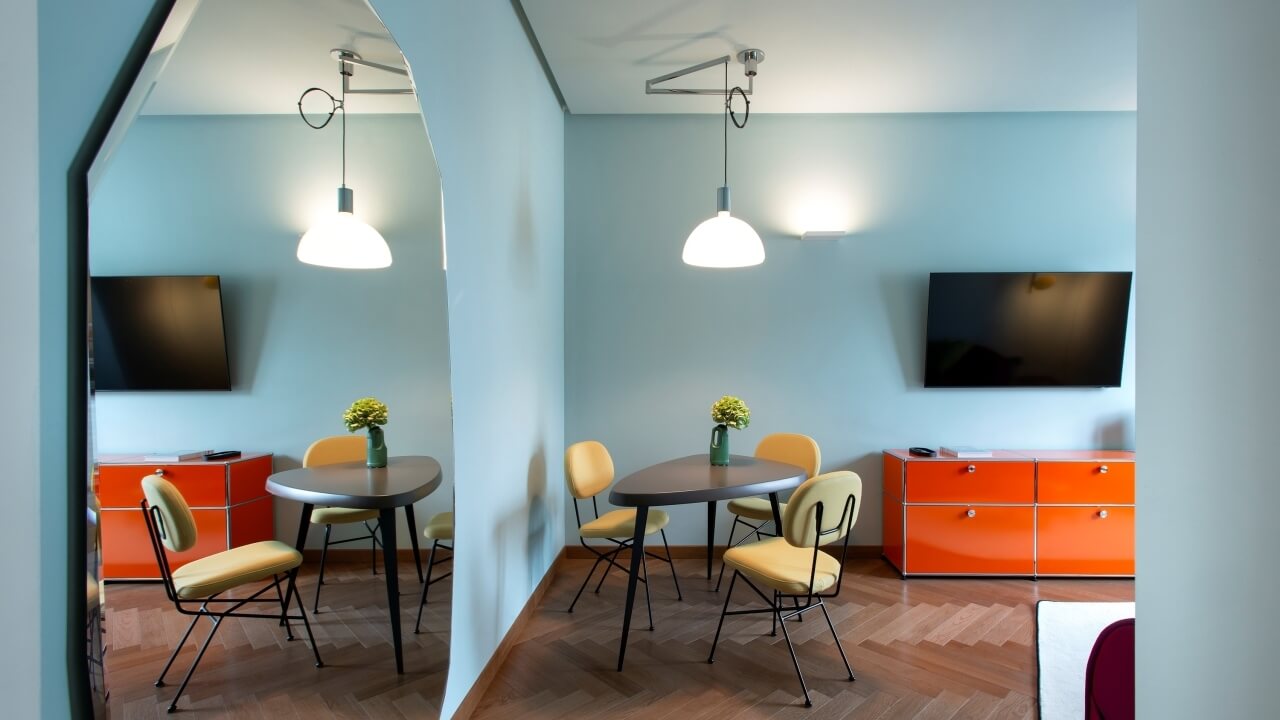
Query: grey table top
x=694 y=479
x=403 y=481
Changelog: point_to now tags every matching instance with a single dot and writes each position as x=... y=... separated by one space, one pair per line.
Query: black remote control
x=921 y=452
x=222 y=455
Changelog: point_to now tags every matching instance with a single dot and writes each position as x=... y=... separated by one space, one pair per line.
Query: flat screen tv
x=158 y=333
x=1042 y=329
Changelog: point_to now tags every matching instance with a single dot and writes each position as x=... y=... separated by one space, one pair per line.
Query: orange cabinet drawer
x=248 y=479
x=1088 y=482
x=120 y=486
x=995 y=540
x=1084 y=541
x=971 y=481
x=892 y=477
x=891 y=539
x=126 y=547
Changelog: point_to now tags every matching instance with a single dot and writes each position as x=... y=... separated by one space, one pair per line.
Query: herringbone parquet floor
x=251 y=671
x=926 y=649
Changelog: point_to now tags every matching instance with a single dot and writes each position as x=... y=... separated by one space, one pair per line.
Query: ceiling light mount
x=347 y=58
x=750 y=58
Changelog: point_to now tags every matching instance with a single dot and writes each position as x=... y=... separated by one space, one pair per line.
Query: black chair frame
x=753 y=530
x=426 y=585
x=156 y=531
x=610 y=557
x=324 y=553
x=811 y=600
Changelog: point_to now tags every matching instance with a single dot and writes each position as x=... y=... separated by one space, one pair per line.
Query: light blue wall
x=229 y=196
x=1208 y=220
x=826 y=337
x=499 y=139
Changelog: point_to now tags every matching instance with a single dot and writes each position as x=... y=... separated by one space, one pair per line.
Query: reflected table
x=694 y=479
x=401 y=483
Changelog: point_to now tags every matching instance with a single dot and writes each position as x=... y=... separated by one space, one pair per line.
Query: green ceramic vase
x=720 y=445
x=376 y=453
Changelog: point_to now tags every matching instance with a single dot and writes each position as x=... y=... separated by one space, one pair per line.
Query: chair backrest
x=1109 y=687
x=793 y=449
x=588 y=469
x=335 y=449
x=832 y=490
x=177 y=528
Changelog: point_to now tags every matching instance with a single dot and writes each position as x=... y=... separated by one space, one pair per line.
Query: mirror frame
x=77 y=428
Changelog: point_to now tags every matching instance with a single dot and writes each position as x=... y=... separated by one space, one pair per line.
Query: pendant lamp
x=342 y=240
x=725 y=241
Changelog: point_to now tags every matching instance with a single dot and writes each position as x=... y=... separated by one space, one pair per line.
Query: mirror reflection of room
x=271 y=417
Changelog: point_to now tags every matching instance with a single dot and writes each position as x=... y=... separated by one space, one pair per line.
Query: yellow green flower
x=365 y=413
x=731 y=411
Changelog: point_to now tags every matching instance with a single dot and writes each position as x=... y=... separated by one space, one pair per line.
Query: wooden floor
x=926 y=648
x=251 y=671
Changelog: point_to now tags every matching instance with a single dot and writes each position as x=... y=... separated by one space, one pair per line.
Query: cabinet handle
x=1102 y=514
x=973 y=468
x=1103 y=469
x=974 y=513
x=159 y=471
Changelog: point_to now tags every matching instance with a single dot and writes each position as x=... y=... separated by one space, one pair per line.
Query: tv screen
x=1045 y=329
x=158 y=333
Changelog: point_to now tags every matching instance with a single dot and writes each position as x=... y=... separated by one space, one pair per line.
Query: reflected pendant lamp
x=724 y=241
x=342 y=240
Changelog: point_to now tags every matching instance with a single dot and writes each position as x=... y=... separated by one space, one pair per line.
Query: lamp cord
x=728 y=113
x=344 y=134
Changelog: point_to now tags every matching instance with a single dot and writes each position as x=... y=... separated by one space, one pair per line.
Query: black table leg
x=711 y=534
x=387 y=521
x=413 y=538
x=637 y=554
x=304 y=524
x=777 y=513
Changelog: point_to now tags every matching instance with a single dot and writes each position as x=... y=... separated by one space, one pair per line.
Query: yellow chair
x=196 y=585
x=588 y=469
x=438 y=530
x=331 y=451
x=793 y=566
x=790 y=448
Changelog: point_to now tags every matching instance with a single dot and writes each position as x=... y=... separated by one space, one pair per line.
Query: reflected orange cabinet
x=228 y=499
x=1027 y=513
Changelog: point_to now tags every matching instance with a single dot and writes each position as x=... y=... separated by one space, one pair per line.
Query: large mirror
x=244 y=508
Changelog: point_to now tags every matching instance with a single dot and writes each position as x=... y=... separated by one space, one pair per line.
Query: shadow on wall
x=870 y=468
x=248 y=305
x=1115 y=433
x=524 y=254
x=905 y=300
x=537 y=504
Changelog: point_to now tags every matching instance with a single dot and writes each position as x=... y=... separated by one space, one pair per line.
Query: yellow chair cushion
x=233 y=568
x=439 y=527
x=754 y=508
x=783 y=566
x=622 y=524
x=341 y=516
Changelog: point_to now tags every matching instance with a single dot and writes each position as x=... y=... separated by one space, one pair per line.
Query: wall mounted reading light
x=722 y=241
x=822 y=234
x=342 y=240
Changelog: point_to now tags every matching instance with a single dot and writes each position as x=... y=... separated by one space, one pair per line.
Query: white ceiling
x=846 y=56
x=254 y=57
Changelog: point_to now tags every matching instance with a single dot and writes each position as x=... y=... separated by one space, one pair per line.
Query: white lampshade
x=723 y=241
x=344 y=241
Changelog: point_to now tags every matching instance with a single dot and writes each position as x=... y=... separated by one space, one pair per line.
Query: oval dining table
x=694 y=479
x=404 y=481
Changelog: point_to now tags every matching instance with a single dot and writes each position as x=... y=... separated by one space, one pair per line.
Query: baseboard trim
x=699 y=552
x=471 y=702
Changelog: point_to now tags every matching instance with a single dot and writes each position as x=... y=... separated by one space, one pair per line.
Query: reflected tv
x=158 y=333
x=1030 y=329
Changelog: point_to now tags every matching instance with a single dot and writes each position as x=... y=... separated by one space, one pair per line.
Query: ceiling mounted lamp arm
x=749 y=58
x=347 y=58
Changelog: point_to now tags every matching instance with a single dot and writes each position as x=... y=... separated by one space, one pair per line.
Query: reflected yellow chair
x=331 y=451
x=438 y=530
x=197 y=584
x=790 y=448
x=794 y=567
x=588 y=470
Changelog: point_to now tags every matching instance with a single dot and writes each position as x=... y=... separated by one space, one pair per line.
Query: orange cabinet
x=1016 y=513
x=228 y=499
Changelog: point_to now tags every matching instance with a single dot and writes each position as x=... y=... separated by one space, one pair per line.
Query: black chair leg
x=777 y=613
x=837 y=639
x=307 y=625
x=173 y=655
x=727 y=545
x=373 y=545
x=644 y=567
x=712 y=657
x=422 y=601
x=191 y=671
x=324 y=554
x=585 y=580
x=672 y=562
x=774 y=631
